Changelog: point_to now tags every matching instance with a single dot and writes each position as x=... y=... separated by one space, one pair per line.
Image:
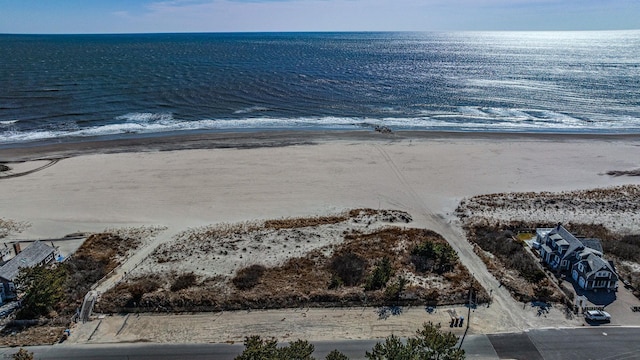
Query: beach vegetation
x=499 y=240
x=42 y=289
x=434 y=256
x=294 y=223
x=509 y=261
x=347 y=269
x=395 y=289
x=98 y=255
x=184 y=281
x=247 y=278
x=365 y=262
x=8 y=226
x=139 y=288
x=380 y=275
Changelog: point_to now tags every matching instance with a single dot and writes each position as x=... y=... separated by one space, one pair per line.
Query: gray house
x=593 y=272
x=36 y=254
x=562 y=251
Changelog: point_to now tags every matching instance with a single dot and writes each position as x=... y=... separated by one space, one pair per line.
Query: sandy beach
x=95 y=189
x=186 y=182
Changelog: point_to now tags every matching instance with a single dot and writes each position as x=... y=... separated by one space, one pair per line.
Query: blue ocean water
x=74 y=86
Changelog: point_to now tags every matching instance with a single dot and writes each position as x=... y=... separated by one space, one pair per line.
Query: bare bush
x=348 y=267
x=248 y=277
x=184 y=281
x=304 y=222
x=499 y=241
x=8 y=226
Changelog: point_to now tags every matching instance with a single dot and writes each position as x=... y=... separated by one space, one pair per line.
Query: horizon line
x=319 y=32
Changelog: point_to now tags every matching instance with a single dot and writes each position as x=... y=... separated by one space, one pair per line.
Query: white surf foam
x=8 y=122
x=251 y=109
x=464 y=119
x=145 y=117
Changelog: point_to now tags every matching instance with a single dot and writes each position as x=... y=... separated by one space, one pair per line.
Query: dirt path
x=510 y=311
x=120 y=272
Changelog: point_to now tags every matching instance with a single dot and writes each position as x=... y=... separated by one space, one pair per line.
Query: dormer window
x=581 y=267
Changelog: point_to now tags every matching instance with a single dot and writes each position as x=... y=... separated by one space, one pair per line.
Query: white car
x=597 y=315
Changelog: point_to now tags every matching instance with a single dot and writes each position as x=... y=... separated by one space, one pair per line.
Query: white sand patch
x=617 y=208
x=221 y=250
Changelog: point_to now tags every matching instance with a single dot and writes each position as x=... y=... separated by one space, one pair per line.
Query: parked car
x=597 y=315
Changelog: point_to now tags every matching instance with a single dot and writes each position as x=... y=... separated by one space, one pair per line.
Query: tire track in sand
x=455 y=237
x=9 y=174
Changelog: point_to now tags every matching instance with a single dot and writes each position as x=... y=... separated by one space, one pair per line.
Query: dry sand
x=425 y=176
x=182 y=189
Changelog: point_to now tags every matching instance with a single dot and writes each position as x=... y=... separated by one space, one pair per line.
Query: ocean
x=75 y=87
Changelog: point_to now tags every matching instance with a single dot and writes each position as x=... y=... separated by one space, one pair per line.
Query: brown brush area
x=311 y=280
x=17 y=335
x=509 y=261
x=506 y=256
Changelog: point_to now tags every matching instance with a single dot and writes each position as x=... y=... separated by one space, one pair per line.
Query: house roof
x=565 y=237
x=594 y=263
x=586 y=251
x=29 y=257
x=592 y=243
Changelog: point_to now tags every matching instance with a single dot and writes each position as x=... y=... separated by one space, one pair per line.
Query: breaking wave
x=460 y=119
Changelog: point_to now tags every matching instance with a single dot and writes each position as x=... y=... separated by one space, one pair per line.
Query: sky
x=152 y=16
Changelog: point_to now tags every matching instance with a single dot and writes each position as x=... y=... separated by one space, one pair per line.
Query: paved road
x=603 y=343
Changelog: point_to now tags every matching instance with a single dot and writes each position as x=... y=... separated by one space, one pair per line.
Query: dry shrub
x=248 y=277
x=128 y=294
x=392 y=216
x=96 y=257
x=294 y=223
x=30 y=335
x=382 y=215
x=499 y=240
x=8 y=226
x=142 y=286
x=106 y=248
x=184 y=281
x=348 y=267
x=303 y=281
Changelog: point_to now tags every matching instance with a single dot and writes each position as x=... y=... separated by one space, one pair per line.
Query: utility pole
x=468 y=312
x=469 y=309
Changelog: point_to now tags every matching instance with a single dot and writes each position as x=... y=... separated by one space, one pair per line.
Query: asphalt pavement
x=594 y=342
